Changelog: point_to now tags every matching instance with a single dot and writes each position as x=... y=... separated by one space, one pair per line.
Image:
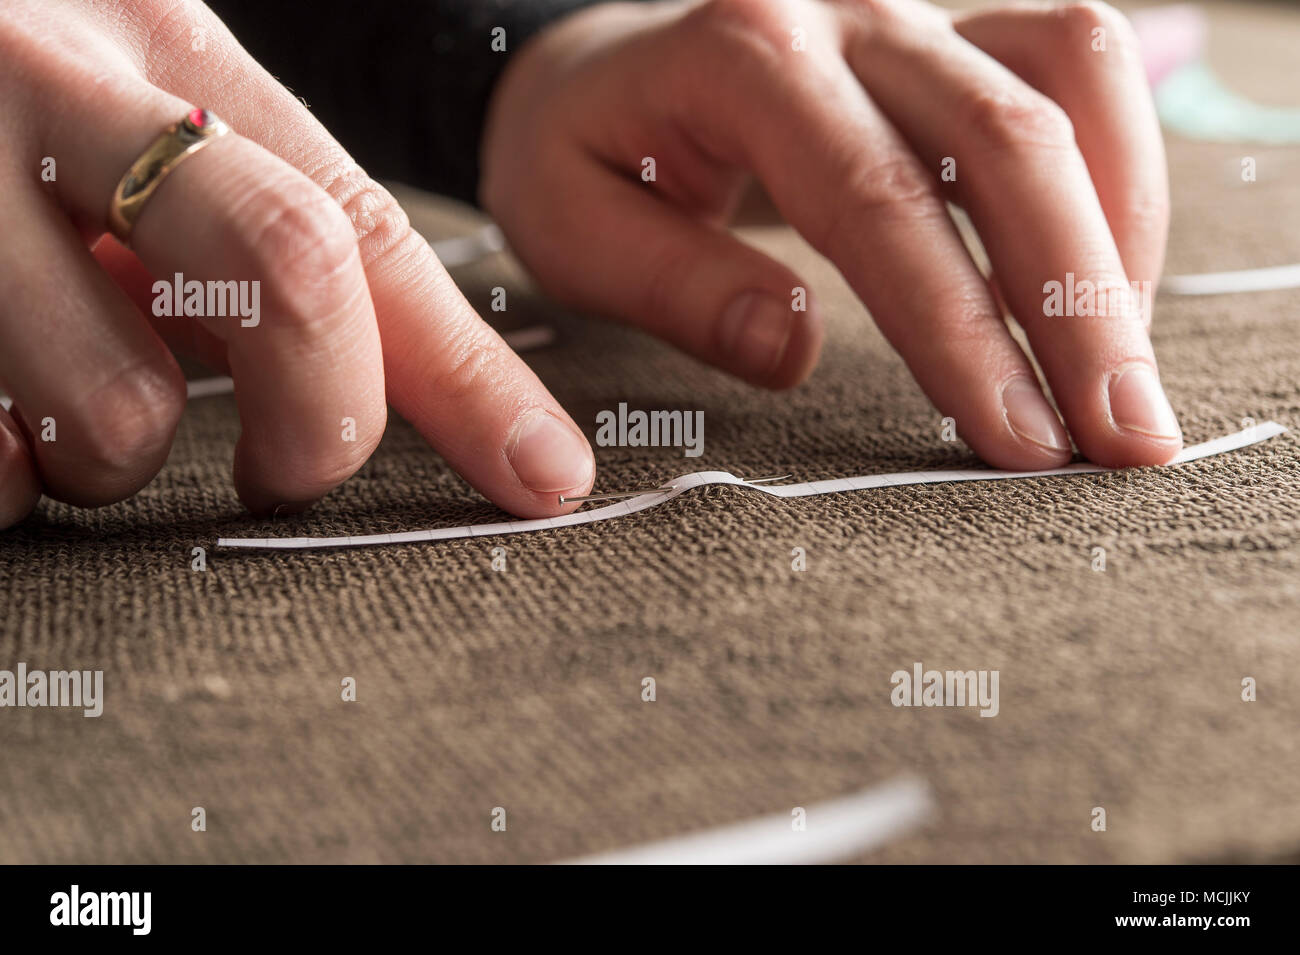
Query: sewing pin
x=615 y=495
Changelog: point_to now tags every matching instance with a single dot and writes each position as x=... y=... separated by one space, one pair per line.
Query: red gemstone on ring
x=198 y=117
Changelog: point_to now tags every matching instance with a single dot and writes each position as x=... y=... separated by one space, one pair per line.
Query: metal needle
x=615 y=495
x=612 y=495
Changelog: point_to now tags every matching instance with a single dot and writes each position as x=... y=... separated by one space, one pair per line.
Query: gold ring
x=180 y=139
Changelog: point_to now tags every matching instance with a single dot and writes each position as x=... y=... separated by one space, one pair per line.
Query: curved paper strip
x=839 y=829
x=1224 y=283
x=686 y=482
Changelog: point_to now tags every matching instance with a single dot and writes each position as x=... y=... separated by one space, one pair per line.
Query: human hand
x=353 y=303
x=848 y=113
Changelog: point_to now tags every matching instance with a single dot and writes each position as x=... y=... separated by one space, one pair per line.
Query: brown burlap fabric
x=522 y=689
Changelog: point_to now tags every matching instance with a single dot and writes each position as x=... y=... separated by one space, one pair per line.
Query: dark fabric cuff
x=404 y=85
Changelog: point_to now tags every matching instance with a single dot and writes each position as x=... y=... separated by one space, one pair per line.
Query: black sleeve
x=402 y=84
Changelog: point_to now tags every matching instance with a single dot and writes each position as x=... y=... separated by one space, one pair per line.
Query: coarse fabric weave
x=521 y=689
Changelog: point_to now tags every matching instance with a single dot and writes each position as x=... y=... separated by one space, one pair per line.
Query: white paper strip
x=207 y=387
x=464 y=249
x=838 y=829
x=1231 y=442
x=1222 y=283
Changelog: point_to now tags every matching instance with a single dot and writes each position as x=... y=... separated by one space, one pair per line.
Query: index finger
x=235 y=220
x=447 y=371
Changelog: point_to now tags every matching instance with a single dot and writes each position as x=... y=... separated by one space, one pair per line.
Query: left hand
x=847 y=111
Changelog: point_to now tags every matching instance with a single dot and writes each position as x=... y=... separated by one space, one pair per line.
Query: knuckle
x=969 y=317
x=876 y=10
x=469 y=369
x=894 y=188
x=172 y=34
x=380 y=226
x=893 y=21
x=762 y=24
x=1147 y=212
x=742 y=13
x=166 y=26
x=144 y=16
x=1090 y=15
x=1015 y=119
x=305 y=245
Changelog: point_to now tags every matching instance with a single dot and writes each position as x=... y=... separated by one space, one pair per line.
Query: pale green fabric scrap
x=1193 y=102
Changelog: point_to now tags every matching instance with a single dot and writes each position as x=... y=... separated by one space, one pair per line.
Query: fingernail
x=753 y=331
x=548 y=455
x=1031 y=417
x=1138 y=403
